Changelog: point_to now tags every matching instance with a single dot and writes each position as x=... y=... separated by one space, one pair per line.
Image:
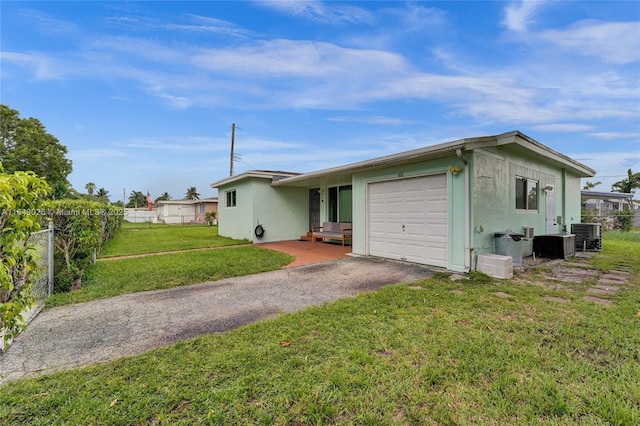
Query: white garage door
x=408 y=220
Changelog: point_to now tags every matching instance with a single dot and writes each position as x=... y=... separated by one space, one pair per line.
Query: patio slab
x=306 y=252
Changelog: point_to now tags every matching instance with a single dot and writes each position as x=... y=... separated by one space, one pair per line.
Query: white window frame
x=529 y=184
x=231 y=198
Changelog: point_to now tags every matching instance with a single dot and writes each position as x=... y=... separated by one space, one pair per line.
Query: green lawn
x=137 y=238
x=407 y=354
x=108 y=278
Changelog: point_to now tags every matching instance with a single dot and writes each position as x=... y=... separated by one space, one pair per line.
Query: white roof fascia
x=432 y=151
x=605 y=195
x=524 y=141
x=252 y=174
x=177 y=201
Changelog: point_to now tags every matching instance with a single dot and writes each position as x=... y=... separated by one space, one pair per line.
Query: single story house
x=438 y=205
x=604 y=205
x=185 y=211
x=604 y=202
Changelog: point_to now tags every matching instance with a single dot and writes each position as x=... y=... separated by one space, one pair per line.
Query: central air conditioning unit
x=554 y=246
x=588 y=236
x=528 y=232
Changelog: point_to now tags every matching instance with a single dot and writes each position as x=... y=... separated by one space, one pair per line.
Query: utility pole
x=233 y=133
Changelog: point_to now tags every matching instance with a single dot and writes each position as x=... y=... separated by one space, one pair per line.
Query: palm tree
x=90 y=187
x=192 y=194
x=136 y=199
x=590 y=185
x=103 y=194
x=627 y=185
x=164 y=197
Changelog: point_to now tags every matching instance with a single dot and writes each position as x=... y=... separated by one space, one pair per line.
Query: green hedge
x=21 y=197
x=81 y=228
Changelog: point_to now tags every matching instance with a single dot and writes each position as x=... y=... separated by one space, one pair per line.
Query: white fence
x=140 y=216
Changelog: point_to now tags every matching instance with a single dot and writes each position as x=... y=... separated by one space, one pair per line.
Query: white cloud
x=95 y=154
x=611 y=166
x=381 y=120
x=617 y=135
x=563 y=127
x=42 y=66
x=320 y=12
x=520 y=15
x=613 y=42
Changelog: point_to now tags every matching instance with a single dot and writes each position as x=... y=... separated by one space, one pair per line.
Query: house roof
x=260 y=174
x=601 y=195
x=186 y=202
x=180 y=202
x=514 y=140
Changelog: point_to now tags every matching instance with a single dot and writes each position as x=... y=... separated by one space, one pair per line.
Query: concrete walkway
x=104 y=330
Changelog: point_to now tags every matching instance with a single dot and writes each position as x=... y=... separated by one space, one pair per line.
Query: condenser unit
x=588 y=236
x=554 y=246
x=528 y=232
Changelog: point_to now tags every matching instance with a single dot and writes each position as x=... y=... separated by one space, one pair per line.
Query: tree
x=25 y=145
x=164 y=197
x=103 y=195
x=192 y=194
x=137 y=199
x=90 y=187
x=590 y=185
x=629 y=184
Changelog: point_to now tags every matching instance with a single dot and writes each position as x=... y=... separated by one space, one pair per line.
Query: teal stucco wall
x=455 y=199
x=282 y=211
x=494 y=197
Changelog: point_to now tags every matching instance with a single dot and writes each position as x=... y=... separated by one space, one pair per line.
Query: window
x=340 y=206
x=526 y=194
x=231 y=198
x=202 y=206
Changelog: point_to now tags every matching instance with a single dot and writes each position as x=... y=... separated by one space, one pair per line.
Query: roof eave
x=256 y=174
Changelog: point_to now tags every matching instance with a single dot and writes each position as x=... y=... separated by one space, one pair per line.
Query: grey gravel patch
x=457 y=292
x=616 y=277
x=608 y=281
x=615 y=272
x=457 y=277
x=607 y=287
x=571 y=274
x=502 y=295
x=597 y=300
x=556 y=299
x=601 y=291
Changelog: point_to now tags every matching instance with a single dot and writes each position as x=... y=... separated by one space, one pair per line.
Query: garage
x=407 y=220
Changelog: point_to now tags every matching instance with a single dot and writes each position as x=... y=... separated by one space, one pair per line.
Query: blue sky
x=143 y=94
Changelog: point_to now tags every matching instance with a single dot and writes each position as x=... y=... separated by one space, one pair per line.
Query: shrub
x=624 y=220
x=81 y=227
x=21 y=197
x=210 y=218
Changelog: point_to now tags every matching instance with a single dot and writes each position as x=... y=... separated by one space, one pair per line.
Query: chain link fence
x=43 y=283
x=42 y=286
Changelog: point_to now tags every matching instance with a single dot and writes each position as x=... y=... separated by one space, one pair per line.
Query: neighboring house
x=601 y=203
x=439 y=205
x=185 y=211
x=605 y=204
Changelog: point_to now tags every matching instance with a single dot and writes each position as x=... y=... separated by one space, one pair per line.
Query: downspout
x=467 y=213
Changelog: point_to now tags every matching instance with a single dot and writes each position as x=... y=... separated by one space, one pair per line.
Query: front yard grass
x=140 y=238
x=108 y=278
x=407 y=354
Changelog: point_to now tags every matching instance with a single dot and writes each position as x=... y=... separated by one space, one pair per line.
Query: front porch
x=306 y=252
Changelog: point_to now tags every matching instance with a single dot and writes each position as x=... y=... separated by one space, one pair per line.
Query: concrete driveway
x=104 y=330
